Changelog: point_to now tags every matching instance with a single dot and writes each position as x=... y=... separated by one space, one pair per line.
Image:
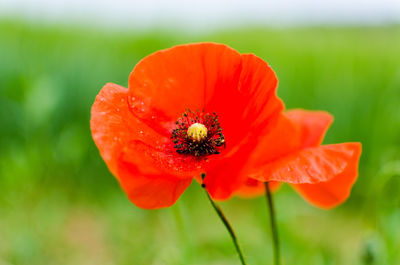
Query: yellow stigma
x=197 y=132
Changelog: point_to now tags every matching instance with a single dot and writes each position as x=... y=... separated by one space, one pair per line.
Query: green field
x=60 y=205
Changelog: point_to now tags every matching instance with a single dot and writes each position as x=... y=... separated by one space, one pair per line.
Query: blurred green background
x=60 y=205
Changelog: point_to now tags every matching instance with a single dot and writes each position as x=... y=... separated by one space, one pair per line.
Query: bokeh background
x=60 y=205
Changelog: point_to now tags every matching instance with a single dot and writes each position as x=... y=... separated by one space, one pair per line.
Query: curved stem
x=226 y=224
x=274 y=229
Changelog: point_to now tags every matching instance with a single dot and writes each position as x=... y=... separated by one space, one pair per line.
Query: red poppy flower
x=192 y=109
x=323 y=175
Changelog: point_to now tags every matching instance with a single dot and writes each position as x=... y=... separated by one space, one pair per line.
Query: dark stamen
x=210 y=144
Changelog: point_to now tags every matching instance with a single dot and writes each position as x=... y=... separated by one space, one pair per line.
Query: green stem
x=274 y=229
x=226 y=224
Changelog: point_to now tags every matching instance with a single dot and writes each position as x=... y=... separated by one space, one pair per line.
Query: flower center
x=198 y=133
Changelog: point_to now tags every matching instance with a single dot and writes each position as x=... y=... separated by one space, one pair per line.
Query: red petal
x=223 y=178
x=327 y=171
x=113 y=125
x=312 y=125
x=247 y=107
x=232 y=176
x=145 y=184
x=166 y=83
x=241 y=89
x=311 y=165
x=334 y=192
x=246 y=114
x=126 y=143
x=295 y=130
x=253 y=188
x=280 y=141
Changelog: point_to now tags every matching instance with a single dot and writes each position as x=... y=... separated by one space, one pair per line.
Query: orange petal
x=335 y=191
x=310 y=165
x=312 y=125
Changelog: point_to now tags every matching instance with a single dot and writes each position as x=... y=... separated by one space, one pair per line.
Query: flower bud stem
x=274 y=229
x=226 y=224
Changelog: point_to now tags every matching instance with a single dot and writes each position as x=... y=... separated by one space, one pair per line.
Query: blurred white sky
x=204 y=14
